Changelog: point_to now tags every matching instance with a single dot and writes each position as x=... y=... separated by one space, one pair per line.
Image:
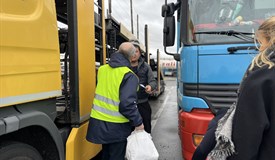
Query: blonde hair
x=267 y=29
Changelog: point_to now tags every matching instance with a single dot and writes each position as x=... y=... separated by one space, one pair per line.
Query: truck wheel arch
x=37 y=119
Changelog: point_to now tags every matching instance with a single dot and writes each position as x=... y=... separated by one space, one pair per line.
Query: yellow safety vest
x=106 y=100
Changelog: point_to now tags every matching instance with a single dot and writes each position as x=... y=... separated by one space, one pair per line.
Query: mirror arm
x=177 y=6
x=172 y=54
x=165 y=29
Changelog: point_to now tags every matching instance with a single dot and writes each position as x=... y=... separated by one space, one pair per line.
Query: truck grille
x=216 y=95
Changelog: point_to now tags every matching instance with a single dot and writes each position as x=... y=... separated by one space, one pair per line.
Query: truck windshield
x=222 y=16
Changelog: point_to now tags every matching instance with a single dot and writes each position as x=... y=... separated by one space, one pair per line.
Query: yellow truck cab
x=44 y=112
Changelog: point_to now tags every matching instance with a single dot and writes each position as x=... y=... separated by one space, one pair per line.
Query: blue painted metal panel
x=223 y=69
x=211 y=64
x=188 y=103
x=189 y=64
x=216 y=65
x=222 y=49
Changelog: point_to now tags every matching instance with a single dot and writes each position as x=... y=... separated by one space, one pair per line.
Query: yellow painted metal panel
x=19 y=7
x=78 y=148
x=29 y=48
x=86 y=53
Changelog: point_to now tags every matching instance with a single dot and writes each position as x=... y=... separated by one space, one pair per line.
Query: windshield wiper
x=241 y=35
x=232 y=50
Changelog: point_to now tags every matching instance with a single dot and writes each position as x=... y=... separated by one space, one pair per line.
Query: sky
x=149 y=12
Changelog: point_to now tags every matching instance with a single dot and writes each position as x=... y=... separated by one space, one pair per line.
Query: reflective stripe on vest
x=106 y=101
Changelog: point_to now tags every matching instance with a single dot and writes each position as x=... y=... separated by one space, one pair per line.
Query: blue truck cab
x=215 y=45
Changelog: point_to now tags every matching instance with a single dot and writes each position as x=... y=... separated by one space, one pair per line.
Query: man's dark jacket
x=102 y=132
x=146 y=77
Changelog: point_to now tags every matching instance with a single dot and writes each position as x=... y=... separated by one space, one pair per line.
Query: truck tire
x=18 y=151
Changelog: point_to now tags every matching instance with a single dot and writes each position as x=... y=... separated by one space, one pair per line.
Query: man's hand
x=140 y=127
x=148 y=89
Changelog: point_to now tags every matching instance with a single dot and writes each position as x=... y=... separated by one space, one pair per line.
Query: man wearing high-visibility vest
x=114 y=112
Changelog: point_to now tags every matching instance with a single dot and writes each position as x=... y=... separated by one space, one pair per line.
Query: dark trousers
x=114 y=151
x=145 y=112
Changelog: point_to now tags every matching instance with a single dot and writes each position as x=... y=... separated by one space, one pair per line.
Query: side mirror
x=169 y=31
x=168 y=9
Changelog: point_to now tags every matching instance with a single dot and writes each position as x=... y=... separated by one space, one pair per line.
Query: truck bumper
x=190 y=124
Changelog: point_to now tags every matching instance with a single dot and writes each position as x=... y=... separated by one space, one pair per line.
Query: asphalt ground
x=165 y=122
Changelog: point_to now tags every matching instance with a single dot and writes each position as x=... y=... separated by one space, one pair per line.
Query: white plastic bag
x=141 y=147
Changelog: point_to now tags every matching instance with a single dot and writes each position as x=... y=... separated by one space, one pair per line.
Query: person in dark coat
x=114 y=112
x=148 y=84
x=253 y=129
x=247 y=131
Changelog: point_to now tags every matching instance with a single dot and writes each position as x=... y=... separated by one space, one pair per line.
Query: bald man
x=114 y=112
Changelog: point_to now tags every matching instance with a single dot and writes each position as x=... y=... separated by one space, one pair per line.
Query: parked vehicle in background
x=168 y=67
x=155 y=66
x=215 y=45
x=161 y=85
